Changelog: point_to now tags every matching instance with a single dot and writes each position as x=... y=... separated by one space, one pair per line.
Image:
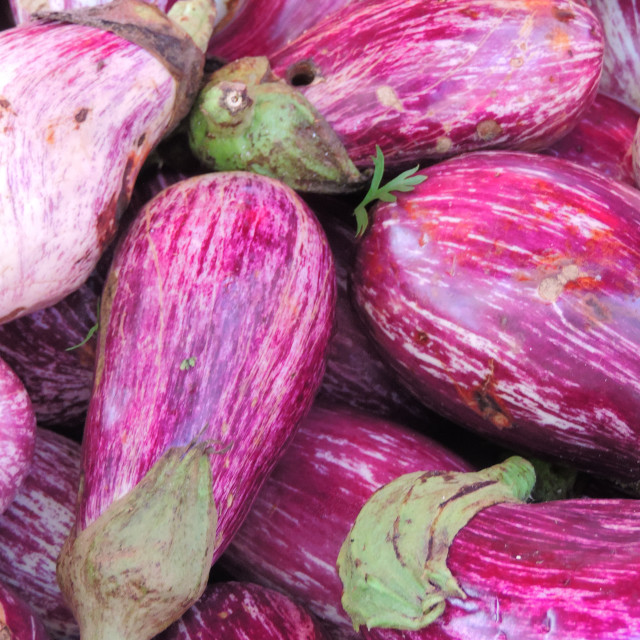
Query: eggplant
x=423 y=80
x=17 y=434
x=503 y=291
x=34 y=528
x=214 y=326
x=237 y=611
x=602 y=139
x=621 y=64
x=111 y=82
x=17 y=619
x=291 y=538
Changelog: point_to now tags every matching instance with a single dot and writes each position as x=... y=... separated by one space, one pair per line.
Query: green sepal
x=246 y=119
x=141 y=564
x=393 y=563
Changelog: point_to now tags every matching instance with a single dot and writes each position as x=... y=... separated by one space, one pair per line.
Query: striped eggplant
x=421 y=79
x=17 y=434
x=503 y=290
x=602 y=139
x=291 y=538
x=214 y=324
x=109 y=83
x=621 y=64
x=34 y=527
x=564 y=569
x=244 y=611
x=17 y=619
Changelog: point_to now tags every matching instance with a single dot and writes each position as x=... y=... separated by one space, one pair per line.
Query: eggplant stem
x=197 y=18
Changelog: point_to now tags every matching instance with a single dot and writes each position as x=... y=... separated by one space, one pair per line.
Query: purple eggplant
x=291 y=538
x=17 y=619
x=34 y=527
x=17 y=434
x=241 y=611
x=101 y=103
x=214 y=325
x=602 y=139
x=504 y=292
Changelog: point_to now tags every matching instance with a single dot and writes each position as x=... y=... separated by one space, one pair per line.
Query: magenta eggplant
x=34 y=527
x=621 y=65
x=17 y=619
x=243 y=611
x=602 y=139
x=565 y=569
x=102 y=104
x=17 y=434
x=504 y=292
x=291 y=538
x=427 y=79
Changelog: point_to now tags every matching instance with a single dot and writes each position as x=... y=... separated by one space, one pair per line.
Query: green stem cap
x=146 y=559
x=393 y=564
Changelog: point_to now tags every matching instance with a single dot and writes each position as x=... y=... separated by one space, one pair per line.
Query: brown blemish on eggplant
x=551 y=287
x=563 y=15
x=470 y=13
x=443 y=144
x=14 y=314
x=488 y=130
x=5 y=104
x=421 y=337
x=141 y=139
x=387 y=97
x=100 y=65
x=81 y=115
x=485 y=401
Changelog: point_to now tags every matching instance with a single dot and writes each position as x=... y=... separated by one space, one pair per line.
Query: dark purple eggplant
x=244 y=611
x=34 y=527
x=214 y=325
x=504 y=292
x=291 y=538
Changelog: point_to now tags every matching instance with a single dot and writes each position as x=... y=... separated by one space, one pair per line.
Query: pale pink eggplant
x=17 y=619
x=635 y=155
x=504 y=291
x=602 y=139
x=34 y=527
x=426 y=79
x=621 y=65
x=81 y=107
x=214 y=325
x=564 y=569
x=17 y=434
x=244 y=611
x=293 y=533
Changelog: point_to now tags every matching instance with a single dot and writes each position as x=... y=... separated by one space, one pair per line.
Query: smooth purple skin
x=17 y=434
x=35 y=526
x=234 y=271
x=17 y=619
x=261 y=27
x=112 y=102
x=566 y=569
x=504 y=290
x=242 y=611
x=428 y=80
x=602 y=139
x=291 y=538
x=621 y=66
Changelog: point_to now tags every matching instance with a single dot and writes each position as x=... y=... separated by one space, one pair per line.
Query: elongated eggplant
x=565 y=569
x=602 y=139
x=214 y=326
x=504 y=291
x=237 y=611
x=17 y=619
x=421 y=79
x=17 y=434
x=110 y=82
x=34 y=527
x=291 y=538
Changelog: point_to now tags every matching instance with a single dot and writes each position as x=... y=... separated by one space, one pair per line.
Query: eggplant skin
x=563 y=569
x=17 y=619
x=426 y=80
x=237 y=611
x=504 y=291
x=215 y=322
x=292 y=536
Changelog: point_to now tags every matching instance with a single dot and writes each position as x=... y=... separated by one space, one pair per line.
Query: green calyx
x=393 y=564
x=146 y=559
x=247 y=119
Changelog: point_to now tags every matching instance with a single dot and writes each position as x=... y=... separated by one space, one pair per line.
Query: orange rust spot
x=559 y=39
x=50 y=138
x=421 y=337
x=585 y=283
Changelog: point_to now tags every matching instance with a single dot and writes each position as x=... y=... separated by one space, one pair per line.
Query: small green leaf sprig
x=405 y=181
x=90 y=333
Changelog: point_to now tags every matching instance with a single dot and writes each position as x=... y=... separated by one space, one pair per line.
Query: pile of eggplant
x=319 y=320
